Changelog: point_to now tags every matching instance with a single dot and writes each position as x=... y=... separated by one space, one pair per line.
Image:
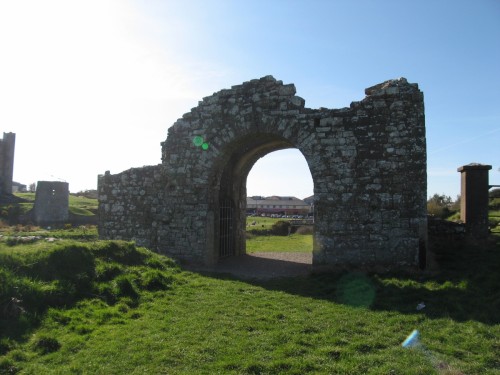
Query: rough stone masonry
x=368 y=165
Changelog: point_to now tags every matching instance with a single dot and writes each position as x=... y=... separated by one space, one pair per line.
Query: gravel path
x=266 y=265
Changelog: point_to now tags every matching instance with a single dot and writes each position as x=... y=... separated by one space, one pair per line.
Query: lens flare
x=198 y=141
x=355 y=289
x=411 y=340
x=204 y=146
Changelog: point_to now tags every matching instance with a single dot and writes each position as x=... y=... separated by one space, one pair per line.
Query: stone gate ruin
x=51 y=203
x=367 y=162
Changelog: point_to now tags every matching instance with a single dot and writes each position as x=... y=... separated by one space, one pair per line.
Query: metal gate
x=226 y=244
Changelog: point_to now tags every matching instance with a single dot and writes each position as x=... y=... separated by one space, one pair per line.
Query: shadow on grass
x=265 y=266
x=465 y=287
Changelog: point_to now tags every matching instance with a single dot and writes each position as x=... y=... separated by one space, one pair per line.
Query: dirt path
x=266 y=265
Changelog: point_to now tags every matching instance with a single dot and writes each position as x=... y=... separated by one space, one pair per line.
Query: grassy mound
x=37 y=277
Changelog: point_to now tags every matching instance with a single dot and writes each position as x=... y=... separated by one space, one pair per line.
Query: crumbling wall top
x=392 y=87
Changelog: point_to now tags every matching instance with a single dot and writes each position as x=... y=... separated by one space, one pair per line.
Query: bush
x=495 y=193
x=307 y=229
x=441 y=206
x=493 y=222
x=436 y=210
x=281 y=228
x=494 y=203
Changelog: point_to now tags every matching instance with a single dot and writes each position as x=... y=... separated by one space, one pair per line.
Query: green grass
x=28 y=196
x=78 y=205
x=81 y=233
x=80 y=211
x=258 y=239
x=136 y=312
x=83 y=203
x=261 y=223
x=293 y=243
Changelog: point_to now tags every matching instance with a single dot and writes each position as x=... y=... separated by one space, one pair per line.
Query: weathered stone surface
x=51 y=203
x=7 y=146
x=368 y=164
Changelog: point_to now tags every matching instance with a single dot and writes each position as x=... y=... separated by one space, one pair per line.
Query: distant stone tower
x=51 y=203
x=474 y=198
x=7 y=145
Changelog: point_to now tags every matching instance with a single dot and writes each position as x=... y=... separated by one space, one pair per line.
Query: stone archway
x=233 y=172
x=367 y=162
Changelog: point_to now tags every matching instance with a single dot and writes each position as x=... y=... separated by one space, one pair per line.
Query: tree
x=455 y=206
x=495 y=193
x=439 y=205
x=32 y=187
x=494 y=199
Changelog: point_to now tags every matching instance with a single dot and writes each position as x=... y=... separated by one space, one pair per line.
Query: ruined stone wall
x=368 y=164
x=128 y=204
x=371 y=189
x=51 y=203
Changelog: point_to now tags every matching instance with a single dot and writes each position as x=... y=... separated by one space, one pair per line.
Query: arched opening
x=231 y=190
x=280 y=204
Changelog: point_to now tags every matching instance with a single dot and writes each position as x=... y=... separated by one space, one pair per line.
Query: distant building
x=18 y=187
x=310 y=202
x=277 y=205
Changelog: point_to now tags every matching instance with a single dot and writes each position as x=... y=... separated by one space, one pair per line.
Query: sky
x=90 y=86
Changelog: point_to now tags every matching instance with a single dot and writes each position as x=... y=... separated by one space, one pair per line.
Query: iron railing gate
x=226 y=245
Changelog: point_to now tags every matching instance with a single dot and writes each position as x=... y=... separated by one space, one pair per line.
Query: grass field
x=259 y=223
x=82 y=233
x=267 y=243
x=114 y=308
x=294 y=243
x=78 y=205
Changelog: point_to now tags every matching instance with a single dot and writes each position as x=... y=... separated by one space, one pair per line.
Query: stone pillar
x=474 y=198
x=7 y=146
x=51 y=203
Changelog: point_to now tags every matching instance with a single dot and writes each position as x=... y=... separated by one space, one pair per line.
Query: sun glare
x=80 y=76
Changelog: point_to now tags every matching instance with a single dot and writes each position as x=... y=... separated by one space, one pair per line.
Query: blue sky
x=91 y=86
